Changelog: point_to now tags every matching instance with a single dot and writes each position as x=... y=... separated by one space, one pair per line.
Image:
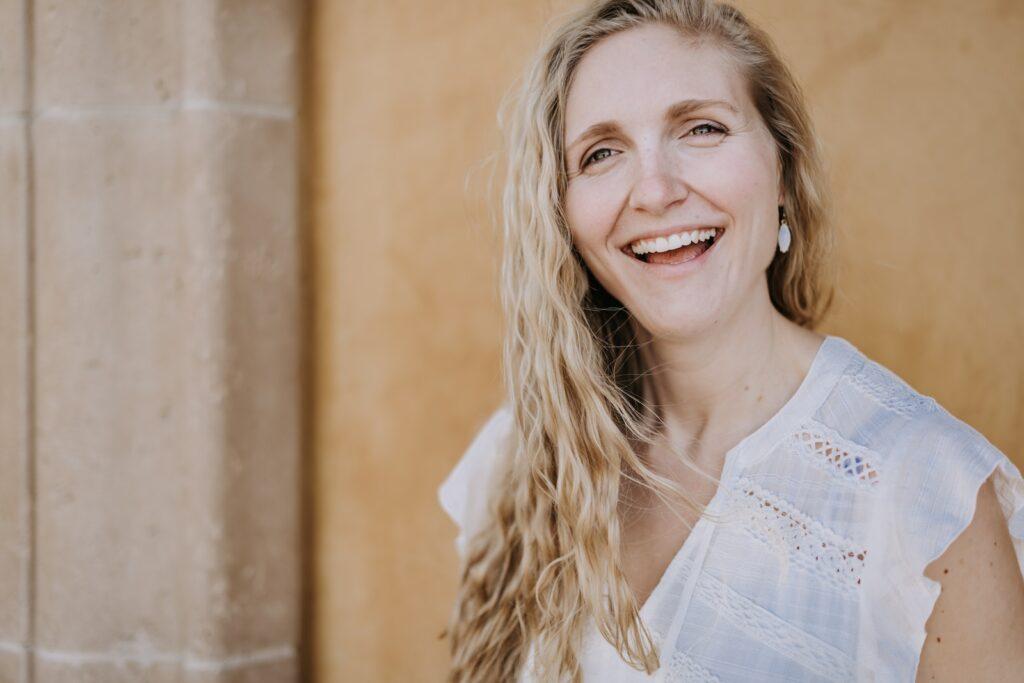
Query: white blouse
x=833 y=509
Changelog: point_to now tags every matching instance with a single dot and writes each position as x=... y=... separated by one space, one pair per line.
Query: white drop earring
x=784 y=236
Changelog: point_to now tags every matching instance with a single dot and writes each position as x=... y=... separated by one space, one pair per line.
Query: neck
x=713 y=389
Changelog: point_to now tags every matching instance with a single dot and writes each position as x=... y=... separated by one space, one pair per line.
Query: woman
x=667 y=256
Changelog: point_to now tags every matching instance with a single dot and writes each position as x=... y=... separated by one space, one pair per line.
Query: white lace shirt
x=833 y=509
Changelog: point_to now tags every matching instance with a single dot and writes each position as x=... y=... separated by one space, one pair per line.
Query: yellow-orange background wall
x=920 y=107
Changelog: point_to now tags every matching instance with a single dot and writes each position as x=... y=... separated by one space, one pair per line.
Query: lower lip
x=679 y=268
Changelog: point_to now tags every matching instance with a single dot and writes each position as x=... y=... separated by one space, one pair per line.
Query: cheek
x=746 y=187
x=591 y=215
x=743 y=181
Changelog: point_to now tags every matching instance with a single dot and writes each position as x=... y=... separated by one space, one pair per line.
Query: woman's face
x=662 y=138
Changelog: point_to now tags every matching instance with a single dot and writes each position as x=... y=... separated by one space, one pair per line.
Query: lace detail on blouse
x=771 y=519
x=681 y=667
x=889 y=390
x=830 y=451
x=813 y=654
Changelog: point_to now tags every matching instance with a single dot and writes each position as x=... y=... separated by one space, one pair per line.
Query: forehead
x=639 y=73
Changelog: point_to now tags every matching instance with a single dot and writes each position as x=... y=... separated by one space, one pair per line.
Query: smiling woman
x=707 y=163
x=687 y=481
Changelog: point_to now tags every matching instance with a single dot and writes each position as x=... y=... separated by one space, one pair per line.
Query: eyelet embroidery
x=830 y=450
x=794 y=535
x=681 y=667
x=890 y=390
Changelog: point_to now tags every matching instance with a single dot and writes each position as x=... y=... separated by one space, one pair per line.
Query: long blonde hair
x=549 y=555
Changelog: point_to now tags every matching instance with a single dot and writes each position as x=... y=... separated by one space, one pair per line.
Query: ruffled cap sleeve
x=465 y=491
x=943 y=464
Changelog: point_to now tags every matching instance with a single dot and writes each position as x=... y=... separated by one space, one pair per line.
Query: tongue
x=685 y=253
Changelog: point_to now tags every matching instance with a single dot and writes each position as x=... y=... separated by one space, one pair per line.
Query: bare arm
x=976 y=631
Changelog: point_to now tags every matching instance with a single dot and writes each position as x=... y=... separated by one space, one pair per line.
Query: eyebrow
x=677 y=110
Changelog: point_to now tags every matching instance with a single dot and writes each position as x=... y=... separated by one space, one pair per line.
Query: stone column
x=150 y=341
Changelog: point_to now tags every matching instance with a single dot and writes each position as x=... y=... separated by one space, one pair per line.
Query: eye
x=596 y=157
x=711 y=127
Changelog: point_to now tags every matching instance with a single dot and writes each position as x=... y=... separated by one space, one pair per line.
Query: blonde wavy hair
x=549 y=555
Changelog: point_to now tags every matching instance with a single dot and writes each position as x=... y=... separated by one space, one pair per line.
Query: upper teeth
x=680 y=239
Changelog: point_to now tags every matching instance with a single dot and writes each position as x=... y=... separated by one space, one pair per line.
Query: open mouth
x=666 y=253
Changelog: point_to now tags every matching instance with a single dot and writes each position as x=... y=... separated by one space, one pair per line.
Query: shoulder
x=878 y=391
x=945 y=498
x=954 y=519
x=975 y=627
x=922 y=453
x=957 y=519
x=939 y=464
x=464 y=493
x=932 y=463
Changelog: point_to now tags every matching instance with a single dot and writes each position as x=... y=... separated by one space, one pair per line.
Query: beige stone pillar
x=149 y=341
x=14 y=348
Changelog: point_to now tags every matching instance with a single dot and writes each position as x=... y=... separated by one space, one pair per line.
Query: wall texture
x=149 y=340
x=919 y=106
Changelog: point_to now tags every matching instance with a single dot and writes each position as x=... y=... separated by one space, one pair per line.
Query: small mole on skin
x=759 y=397
x=945 y=571
x=938 y=638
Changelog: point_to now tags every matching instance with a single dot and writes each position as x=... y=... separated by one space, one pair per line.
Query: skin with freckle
x=979 y=613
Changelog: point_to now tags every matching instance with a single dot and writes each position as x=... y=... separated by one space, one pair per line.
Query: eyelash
x=590 y=159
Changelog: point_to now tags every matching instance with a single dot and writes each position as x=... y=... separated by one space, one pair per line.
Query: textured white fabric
x=833 y=509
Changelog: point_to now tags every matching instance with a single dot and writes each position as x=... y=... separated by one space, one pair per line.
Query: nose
x=658 y=184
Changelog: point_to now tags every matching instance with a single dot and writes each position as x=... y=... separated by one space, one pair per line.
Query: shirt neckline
x=830 y=361
x=827 y=367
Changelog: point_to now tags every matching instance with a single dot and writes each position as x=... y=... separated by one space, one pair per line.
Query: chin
x=685 y=323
